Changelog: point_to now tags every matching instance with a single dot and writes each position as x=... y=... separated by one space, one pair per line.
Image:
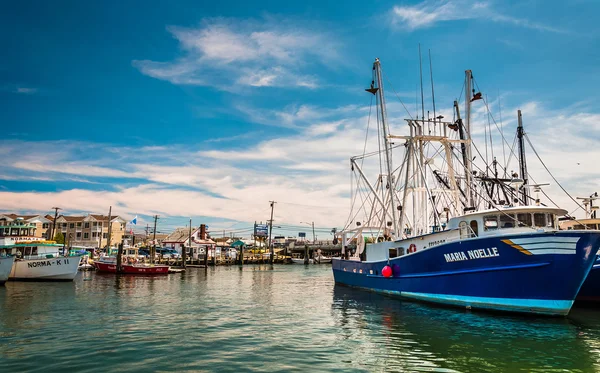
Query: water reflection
x=414 y=336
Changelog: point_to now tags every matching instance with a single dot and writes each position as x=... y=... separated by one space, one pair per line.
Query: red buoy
x=386 y=271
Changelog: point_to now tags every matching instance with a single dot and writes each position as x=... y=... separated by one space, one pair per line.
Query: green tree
x=59 y=238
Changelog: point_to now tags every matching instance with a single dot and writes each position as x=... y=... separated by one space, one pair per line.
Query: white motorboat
x=301 y=261
x=38 y=260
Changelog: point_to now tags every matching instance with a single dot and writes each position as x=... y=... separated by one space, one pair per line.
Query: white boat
x=301 y=261
x=6 y=264
x=322 y=259
x=38 y=260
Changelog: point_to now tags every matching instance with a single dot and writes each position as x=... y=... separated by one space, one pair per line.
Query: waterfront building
x=181 y=237
x=90 y=230
x=24 y=225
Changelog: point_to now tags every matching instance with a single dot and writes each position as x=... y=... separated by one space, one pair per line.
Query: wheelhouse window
x=525 y=219
x=393 y=253
x=550 y=223
x=474 y=228
x=539 y=219
x=464 y=229
x=507 y=221
x=490 y=222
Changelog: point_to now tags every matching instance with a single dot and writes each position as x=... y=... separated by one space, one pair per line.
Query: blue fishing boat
x=590 y=290
x=442 y=228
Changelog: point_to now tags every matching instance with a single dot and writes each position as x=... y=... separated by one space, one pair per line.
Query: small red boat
x=133 y=269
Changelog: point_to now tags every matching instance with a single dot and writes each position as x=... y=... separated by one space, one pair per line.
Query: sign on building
x=302 y=234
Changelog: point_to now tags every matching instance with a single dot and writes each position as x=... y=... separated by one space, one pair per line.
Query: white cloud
x=227 y=53
x=430 y=12
x=25 y=90
x=306 y=169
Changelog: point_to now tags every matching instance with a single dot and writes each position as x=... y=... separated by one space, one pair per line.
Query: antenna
x=432 y=91
x=421 y=74
x=537 y=188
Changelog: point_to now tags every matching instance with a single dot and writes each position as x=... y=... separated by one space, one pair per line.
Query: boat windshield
x=523 y=219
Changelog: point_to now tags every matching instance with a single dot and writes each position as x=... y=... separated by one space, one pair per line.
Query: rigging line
x=303 y=205
x=492 y=116
x=547 y=170
x=352 y=198
x=389 y=83
x=486 y=144
x=367 y=133
x=490 y=201
x=501 y=128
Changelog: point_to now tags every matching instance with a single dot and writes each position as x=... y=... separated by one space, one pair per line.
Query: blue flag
x=134 y=221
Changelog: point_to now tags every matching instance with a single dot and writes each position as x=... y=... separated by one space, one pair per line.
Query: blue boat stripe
x=523 y=241
x=552 y=306
x=549 y=245
x=475 y=270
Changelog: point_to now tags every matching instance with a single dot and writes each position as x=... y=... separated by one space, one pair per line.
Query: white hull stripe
x=545 y=239
x=536 y=246
x=552 y=251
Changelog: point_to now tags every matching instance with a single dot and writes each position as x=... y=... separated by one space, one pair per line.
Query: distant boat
x=590 y=290
x=6 y=264
x=301 y=261
x=320 y=259
x=443 y=232
x=38 y=260
x=131 y=269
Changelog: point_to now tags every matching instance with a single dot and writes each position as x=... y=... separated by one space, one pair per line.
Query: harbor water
x=271 y=319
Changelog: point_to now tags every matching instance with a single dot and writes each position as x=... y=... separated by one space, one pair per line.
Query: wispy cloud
x=430 y=12
x=229 y=53
x=25 y=90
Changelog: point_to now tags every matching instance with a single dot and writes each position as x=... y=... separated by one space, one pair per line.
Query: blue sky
x=211 y=109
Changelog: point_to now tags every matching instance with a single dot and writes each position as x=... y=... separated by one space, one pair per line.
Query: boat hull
x=590 y=290
x=48 y=269
x=132 y=269
x=6 y=264
x=533 y=273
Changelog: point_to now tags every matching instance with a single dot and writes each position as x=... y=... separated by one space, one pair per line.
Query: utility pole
x=270 y=232
x=153 y=250
x=313 y=227
x=53 y=230
x=184 y=249
x=109 y=230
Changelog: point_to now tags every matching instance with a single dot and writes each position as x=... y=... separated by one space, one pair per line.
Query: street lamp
x=313 y=228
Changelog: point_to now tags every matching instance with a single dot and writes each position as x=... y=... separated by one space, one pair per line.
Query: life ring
x=412 y=248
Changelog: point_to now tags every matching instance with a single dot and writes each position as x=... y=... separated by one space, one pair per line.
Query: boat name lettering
x=46 y=263
x=434 y=243
x=471 y=254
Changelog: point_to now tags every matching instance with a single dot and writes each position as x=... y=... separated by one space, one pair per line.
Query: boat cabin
x=506 y=221
x=31 y=250
x=493 y=222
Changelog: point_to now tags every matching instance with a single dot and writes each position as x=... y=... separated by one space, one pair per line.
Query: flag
x=134 y=221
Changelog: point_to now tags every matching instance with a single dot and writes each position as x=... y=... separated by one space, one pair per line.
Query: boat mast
x=522 y=160
x=377 y=68
x=468 y=157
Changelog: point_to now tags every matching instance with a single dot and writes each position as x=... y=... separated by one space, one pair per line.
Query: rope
x=547 y=170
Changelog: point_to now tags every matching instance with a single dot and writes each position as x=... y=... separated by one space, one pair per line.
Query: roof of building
x=179 y=235
x=24 y=217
